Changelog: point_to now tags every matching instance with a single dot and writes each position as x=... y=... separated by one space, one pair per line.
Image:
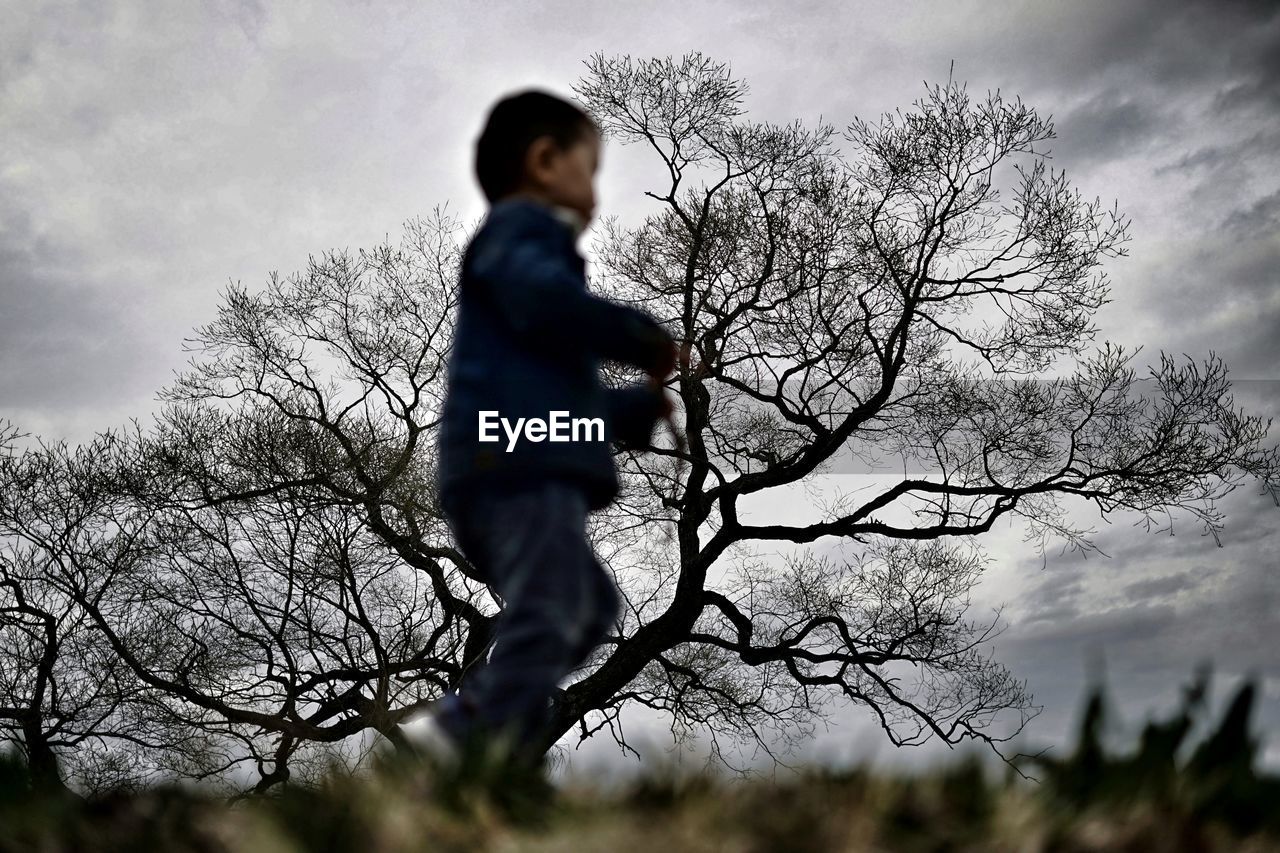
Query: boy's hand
x=666 y=361
x=655 y=383
x=673 y=355
x=667 y=414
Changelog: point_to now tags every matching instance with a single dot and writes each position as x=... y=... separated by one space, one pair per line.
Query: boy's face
x=564 y=177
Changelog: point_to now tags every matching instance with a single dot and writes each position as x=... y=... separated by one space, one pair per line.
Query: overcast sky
x=152 y=152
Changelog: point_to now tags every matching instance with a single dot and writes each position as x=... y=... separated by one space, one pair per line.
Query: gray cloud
x=1160 y=606
x=1161 y=587
x=67 y=345
x=151 y=155
x=1261 y=219
x=1108 y=125
x=1219 y=290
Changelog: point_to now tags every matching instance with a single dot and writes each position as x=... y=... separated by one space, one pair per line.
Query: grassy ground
x=1164 y=795
x=407 y=808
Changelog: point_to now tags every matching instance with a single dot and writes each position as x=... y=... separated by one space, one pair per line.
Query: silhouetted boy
x=528 y=344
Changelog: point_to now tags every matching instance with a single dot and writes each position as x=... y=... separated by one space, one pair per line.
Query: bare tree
x=282 y=583
x=824 y=298
x=67 y=702
x=270 y=598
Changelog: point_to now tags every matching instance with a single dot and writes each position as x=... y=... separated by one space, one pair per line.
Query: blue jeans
x=529 y=544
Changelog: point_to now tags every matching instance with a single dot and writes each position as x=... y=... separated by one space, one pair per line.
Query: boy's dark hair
x=513 y=123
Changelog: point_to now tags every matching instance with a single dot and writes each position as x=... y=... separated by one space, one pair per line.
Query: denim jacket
x=528 y=342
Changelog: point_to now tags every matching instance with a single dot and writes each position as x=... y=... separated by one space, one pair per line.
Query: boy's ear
x=538 y=158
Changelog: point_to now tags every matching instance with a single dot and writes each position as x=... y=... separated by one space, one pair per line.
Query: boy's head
x=536 y=144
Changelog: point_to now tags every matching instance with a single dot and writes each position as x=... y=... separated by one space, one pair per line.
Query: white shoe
x=428 y=737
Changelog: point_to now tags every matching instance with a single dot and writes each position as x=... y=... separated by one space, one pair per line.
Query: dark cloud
x=1209 y=162
x=1161 y=587
x=1219 y=290
x=1110 y=124
x=1150 y=49
x=1255 y=64
x=1261 y=219
x=1160 y=606
x=1060 y=597
x=1199 y=116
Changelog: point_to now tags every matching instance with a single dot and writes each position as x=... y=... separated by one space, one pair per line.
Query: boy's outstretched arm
x=540 y=298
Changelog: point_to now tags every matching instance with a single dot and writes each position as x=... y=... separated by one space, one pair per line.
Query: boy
x=528 y=342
